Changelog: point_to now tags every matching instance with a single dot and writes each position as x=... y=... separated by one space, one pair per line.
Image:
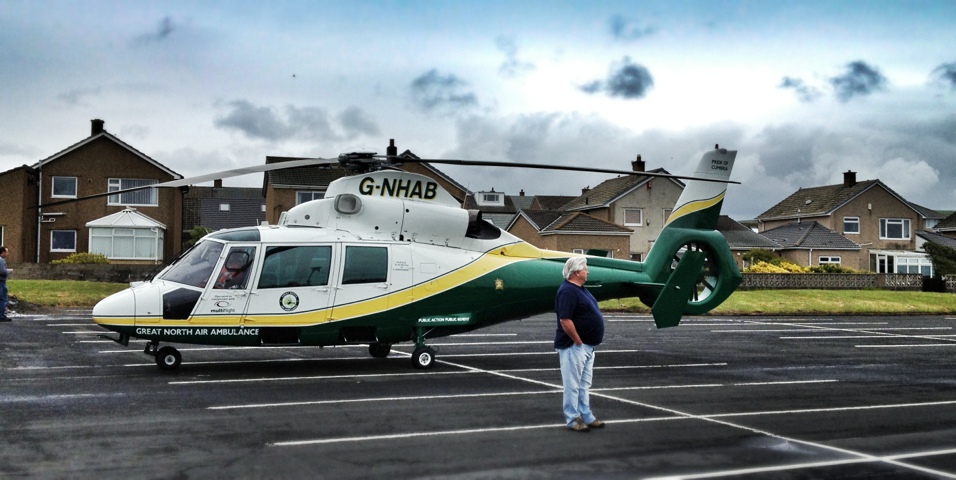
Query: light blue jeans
x=577 y=368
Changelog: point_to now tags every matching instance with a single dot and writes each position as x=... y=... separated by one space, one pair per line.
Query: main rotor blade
x=483 y=163
x=308 y=162
x=268 y=167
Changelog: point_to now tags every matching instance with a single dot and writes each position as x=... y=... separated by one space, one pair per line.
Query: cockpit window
x=296 y=266
x=196 y=266
x=235 y=270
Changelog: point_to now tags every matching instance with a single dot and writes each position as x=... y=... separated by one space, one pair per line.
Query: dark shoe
x=596 y=424
x=5 y=319
x=579 y=426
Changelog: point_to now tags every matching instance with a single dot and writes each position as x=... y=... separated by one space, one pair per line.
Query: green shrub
x=82 y=257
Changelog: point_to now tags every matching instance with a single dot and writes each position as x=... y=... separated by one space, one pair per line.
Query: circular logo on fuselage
x=289 y=301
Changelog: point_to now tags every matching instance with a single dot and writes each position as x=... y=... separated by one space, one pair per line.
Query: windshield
x=196 y=266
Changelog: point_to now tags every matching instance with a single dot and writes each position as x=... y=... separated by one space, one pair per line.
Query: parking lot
x=714 y=397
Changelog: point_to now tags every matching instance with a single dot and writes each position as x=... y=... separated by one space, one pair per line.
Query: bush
x=82 y=257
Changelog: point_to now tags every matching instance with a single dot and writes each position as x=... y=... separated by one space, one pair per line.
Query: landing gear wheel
x=168 y=358
x=423 y=357
x=379 y=350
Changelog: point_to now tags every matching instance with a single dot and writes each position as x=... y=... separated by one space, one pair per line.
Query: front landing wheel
x=423 y=357
x=168 y=358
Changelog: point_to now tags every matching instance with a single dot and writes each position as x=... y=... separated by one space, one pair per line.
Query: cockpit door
x=224 y=302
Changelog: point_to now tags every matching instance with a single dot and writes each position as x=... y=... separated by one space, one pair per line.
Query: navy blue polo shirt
x=581 y=307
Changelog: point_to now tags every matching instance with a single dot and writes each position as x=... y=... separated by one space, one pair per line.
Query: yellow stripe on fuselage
x=488 y=262
x=695 y=206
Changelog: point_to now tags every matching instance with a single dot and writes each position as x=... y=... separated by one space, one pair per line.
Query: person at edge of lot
x=4 y=273
x=580 y=329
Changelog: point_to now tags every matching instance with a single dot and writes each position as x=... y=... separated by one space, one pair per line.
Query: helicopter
x=389 y=256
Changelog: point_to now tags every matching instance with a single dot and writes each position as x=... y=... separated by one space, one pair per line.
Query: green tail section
x=690 y=257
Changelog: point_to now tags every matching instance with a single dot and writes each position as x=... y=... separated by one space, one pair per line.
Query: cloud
x=624 y=29
x=431 y=91
x=306 y=123
x=859 y=79
x=805 y=93
x=945 y=75
x=163 y=31
x=511 y=67
x=626 y=79
x=77 y=96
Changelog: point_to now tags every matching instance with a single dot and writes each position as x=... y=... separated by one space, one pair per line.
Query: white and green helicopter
x=389 y=256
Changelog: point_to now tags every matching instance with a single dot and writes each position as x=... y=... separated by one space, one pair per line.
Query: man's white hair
x=573 y=265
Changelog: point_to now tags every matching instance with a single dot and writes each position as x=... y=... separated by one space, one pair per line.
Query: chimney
x=521 y=193
x=97 y=127
x=637 y=165
x=217 y=183
x=849 y=178
x=585 y=190
x=392 y=150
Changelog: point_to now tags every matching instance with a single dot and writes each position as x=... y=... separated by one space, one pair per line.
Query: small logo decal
x=289 y=301
x=499 y=284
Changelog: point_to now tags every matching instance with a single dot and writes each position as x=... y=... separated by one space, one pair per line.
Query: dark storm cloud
x=624 y=28
x=431 y=91
x=627 y=80
x=310 y=123
x=859 y=79
x=163 y=31
x=805 y=93
x=511 y=67
x=946 y=75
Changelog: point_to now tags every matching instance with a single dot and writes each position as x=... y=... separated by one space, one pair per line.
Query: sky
x=804 y=91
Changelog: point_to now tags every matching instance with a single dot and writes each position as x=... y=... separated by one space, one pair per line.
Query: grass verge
x=818 y=302
x=79 y=294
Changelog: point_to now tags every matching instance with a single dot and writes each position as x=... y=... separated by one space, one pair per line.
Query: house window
x=148 y=197
x=894 y=229
x=578 y=251
x=851 y=225
x=127 y=243
x=302 y=197
x=63 y=241
x=633 y=217
x=667 y=215
x=223 y=207
x=921 y=265
x=365 y=265
x=263 y=208
x=64 y=187
x=829 y=260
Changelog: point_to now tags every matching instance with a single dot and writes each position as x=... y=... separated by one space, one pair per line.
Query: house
x=947 y=226
x=219 y=207
x=810 y=243
x=640 y=203
x=867 y=213
x=97 y=164
x=742 y=239
x=575 y=232
x=496 y=207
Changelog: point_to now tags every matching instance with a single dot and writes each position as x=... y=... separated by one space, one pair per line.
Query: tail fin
x=690 y=258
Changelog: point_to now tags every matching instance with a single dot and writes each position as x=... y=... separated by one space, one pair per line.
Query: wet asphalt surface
x=746 y=397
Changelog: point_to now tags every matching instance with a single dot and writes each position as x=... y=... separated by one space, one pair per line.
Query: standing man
x=580 y=329
x=4 y=273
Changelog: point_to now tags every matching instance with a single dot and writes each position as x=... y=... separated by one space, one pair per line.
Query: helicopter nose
x=118 y=306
